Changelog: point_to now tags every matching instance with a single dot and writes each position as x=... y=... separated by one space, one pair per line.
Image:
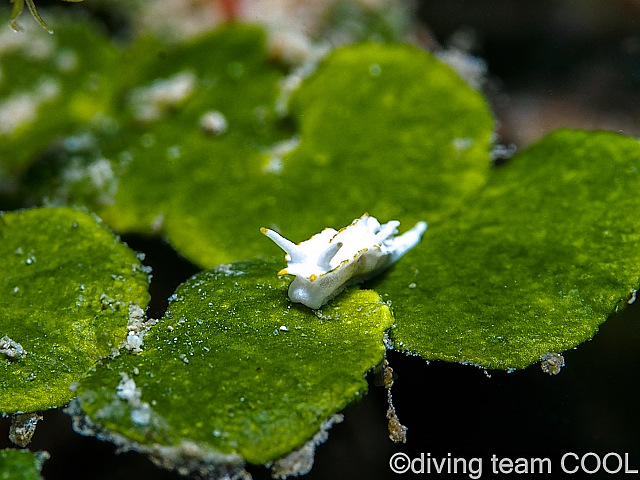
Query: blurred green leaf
x=172 y=148
x=54 y=84
x=385 y=129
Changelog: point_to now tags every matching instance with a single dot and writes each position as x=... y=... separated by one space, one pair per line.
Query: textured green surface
x=546 y=253
x=19 y=465
x=65 y=288
x=236 y=368
x=383 y=129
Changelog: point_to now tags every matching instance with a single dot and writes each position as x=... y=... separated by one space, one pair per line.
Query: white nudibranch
x=332 y=260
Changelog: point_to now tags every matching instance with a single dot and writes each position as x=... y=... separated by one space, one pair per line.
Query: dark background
x=551 y=64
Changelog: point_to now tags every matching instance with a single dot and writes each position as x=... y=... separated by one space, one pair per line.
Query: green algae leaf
x=66 y=289
x=21 y=464
x=200 y=120
x=386 y=129
x=237 y=371
x=381 y=128
x=542 y=256
x=52 y=85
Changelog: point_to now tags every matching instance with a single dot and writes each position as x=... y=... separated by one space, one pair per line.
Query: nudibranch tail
x=294 y=251
x=325 y=257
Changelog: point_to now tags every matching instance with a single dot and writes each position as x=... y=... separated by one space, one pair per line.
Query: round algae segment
x=237 y=368
x=543 y=255
x=407 y=142
x=65 y=289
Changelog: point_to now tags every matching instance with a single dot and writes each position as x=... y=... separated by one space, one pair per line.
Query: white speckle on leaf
x=40 y=48
x=21 y=109
x=136 y=317
x=461 y=144
x=276 y=152
x=375 y=70
x=332 y=260
x=97 y=177
x=137 y=327
x=142 y=414
x=274 y=165
x=48 y=89
x=502 y=152
x=151 y=102
x=290 y=46
x=81 y=142
x=213 y=123
x=228 y=269
x=66 y=60
x=134 y=342
x=100 y=173
x=128 y=391
x=157 y=223
x=291 y=82
x=473 y=70
x=174 y=152
x=323 y=316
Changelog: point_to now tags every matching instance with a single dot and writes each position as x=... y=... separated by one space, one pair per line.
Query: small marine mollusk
x=331 y=260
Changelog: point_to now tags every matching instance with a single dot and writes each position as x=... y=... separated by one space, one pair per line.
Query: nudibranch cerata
x=332 y=260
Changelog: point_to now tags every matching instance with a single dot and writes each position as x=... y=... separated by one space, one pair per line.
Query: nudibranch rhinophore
x=332 y=260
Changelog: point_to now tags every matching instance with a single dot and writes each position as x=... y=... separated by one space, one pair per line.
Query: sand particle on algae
x=11 y=349
x=551 y=363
